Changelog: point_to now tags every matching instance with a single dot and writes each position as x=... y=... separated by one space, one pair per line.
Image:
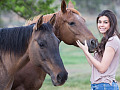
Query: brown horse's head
x=44 y=51
x=72 y=27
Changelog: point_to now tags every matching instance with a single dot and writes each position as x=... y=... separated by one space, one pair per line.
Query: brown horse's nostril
x=93 y=43
x=62 y=77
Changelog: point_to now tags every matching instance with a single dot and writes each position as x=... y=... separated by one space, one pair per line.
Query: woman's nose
x=102 y=24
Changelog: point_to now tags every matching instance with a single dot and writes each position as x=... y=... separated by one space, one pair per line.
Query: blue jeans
x=104 y=86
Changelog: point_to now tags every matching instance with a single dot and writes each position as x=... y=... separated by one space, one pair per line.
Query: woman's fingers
x=85 y=43
x=83 y=47
x=79 y=43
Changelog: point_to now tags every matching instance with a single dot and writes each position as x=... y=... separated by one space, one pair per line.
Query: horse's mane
x=47 y=17
x=15 y=39
x=35 y=19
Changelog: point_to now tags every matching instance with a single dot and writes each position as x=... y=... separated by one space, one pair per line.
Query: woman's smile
x=103 y=24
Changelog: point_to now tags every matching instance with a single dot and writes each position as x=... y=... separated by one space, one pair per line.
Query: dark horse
x=36 y=43
x=69 y=27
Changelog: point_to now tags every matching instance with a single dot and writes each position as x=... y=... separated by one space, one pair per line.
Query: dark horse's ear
x=40 y=21
x=52 y=20
x=63 y=6
x=38 y=24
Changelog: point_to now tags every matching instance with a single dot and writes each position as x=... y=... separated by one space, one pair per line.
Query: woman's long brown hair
x=112 y=30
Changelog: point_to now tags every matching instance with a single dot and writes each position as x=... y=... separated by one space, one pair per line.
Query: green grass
x=71 y=55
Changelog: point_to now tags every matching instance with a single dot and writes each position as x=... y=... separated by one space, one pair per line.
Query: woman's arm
x=88 y=60
x=106 y=60
x=79 y=44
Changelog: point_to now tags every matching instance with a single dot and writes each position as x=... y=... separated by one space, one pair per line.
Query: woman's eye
x=99 y=21
x=71 y=23
x=106 y=22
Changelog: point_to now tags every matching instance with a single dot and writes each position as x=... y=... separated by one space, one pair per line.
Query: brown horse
x=34 y=42
x=69 y=27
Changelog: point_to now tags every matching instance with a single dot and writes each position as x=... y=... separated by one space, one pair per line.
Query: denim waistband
x=105 y=86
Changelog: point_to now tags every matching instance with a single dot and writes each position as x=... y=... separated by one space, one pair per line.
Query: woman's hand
x=83 y=47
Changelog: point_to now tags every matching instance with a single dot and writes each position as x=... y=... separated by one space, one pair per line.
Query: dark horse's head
x=44 y=51
x=72 y=27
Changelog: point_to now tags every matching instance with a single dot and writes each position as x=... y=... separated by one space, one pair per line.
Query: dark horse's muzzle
x=92 y=45
x=62 y=77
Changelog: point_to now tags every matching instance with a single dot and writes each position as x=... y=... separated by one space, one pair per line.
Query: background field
x=73 y=58
x=79 y=71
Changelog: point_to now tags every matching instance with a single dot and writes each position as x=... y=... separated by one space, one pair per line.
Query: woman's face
x=103 y=24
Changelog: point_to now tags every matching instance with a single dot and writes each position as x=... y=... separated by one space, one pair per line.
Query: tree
x=28 y=8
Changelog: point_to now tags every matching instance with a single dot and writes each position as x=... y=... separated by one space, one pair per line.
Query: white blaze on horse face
x=80 y=18
x=77 y=16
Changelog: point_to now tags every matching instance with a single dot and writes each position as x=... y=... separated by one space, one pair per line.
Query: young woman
x=106 y=58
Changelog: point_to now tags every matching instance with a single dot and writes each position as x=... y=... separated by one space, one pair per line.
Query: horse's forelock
x=46 y=27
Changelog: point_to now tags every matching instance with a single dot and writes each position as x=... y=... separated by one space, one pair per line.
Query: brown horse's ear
x=40 y=21
x=52 y=20
x=70 y=5
x=63 y=6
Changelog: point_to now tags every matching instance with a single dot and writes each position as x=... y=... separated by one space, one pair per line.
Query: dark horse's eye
x=41 y=45
x=71 y=23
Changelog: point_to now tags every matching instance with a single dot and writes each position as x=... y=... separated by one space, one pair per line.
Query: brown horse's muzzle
x=92 y=45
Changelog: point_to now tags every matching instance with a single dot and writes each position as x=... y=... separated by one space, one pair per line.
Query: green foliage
x=28 y=8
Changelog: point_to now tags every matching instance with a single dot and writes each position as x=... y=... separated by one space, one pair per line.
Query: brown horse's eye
x=71 y=23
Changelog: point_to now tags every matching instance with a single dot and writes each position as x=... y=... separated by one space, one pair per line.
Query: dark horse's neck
x=15 y=39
